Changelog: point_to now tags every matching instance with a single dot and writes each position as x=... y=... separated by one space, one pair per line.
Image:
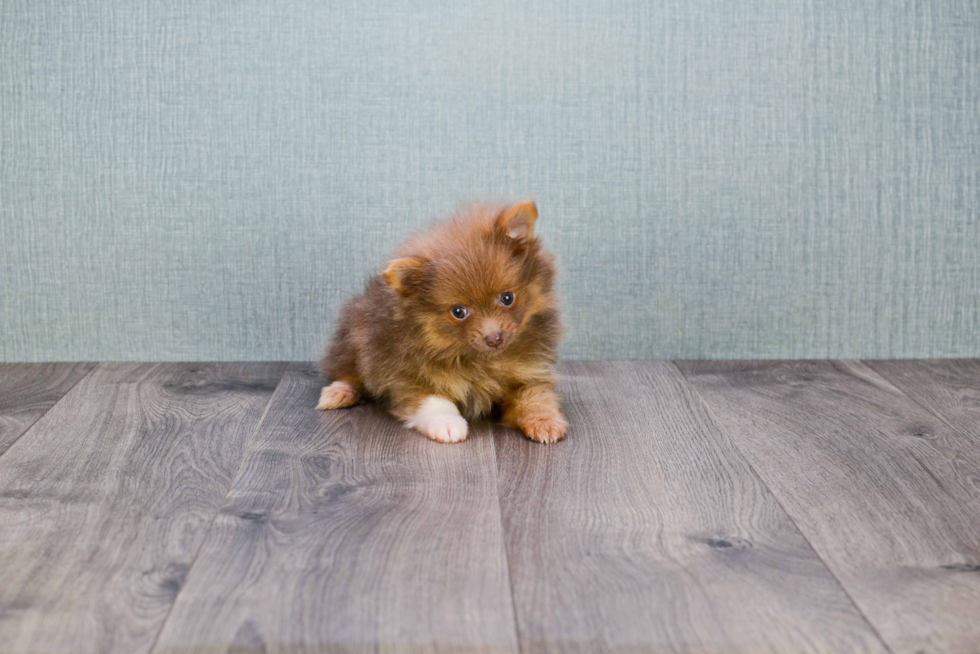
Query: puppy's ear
x=517 y=221
x=404 y=275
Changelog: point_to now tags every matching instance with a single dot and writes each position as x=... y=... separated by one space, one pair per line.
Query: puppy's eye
x=459 y=312
x=507 y=298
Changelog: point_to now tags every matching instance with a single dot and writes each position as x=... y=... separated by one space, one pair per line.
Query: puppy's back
x=366 y=331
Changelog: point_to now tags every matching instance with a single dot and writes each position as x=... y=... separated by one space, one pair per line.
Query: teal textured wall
x=201 y=179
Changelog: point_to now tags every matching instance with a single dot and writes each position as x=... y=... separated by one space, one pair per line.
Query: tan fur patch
x=338 y=395
x=536 y=412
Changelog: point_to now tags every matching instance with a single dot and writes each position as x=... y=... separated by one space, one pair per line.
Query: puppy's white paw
x=450 y=429
x=439 y=419
x=338 y=395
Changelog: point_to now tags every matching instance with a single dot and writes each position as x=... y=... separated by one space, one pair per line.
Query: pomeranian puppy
x=462 y=323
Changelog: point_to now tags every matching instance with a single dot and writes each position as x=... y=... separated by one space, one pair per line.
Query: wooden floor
x=818 y=506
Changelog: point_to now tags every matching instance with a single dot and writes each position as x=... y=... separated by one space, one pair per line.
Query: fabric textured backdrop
x=205 y=179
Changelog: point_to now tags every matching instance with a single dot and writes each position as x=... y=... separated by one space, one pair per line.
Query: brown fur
x=397 y=343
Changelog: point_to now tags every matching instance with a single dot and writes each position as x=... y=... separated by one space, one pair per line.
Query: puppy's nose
x=494 y=340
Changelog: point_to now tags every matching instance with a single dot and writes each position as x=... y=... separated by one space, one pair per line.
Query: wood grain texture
x=347 y=532
x=887 y=494
x=949 y=388
x=645 y=530
x=106 y=500
x=28 y=390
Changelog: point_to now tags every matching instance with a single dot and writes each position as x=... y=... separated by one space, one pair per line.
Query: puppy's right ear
x=404 y=275
x=517 y=221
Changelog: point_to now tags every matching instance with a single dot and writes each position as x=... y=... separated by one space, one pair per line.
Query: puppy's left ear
x=404 y=275
x=517 y=221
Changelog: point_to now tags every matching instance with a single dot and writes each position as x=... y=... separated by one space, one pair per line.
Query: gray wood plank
x=105 y=501
x=886 y=493
x=28 y=390
x=346 y=532
x=645 y=530
x=949 y=388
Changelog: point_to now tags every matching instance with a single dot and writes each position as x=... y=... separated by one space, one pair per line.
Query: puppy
x=461 y=324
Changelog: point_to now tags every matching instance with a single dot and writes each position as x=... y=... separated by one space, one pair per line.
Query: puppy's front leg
x=338 y=395
x=536 y=411
x=434 y=416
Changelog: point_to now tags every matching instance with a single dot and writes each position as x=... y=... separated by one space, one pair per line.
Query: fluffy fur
x=400 y=345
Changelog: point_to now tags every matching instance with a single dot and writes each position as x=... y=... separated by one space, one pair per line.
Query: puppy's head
x=474 y=284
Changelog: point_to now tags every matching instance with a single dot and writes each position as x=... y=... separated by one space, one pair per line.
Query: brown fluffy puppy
x=462 y=321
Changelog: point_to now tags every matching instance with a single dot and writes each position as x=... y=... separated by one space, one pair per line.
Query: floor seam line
x=56 y=402
x=503 y=539
x=265 y=412
x=914 y=401
x=748 y=462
